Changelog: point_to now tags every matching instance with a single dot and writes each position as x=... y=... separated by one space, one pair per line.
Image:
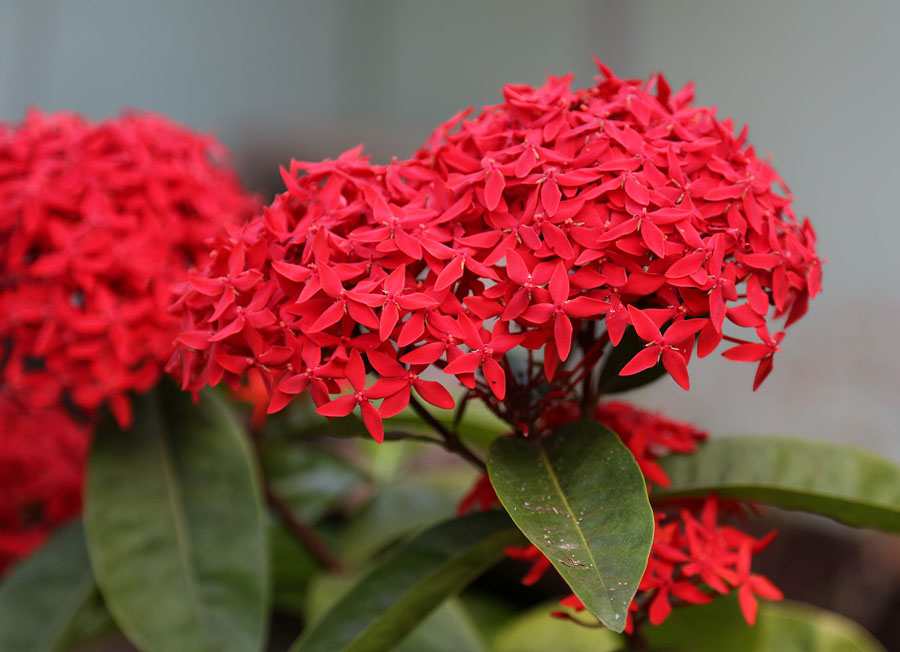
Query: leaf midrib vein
x=49 y=638
x=179 y=521
x=546 y=461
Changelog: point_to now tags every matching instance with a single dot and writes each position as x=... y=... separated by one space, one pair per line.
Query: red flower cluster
x=41 y=468
x=693 y=556
x=96 y=223
x=543 y=215
x=648 y=436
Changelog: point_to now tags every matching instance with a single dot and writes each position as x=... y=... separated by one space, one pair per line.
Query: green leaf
x=537 y=631
x=611 y=382
x=579 y=496
x=291 y=569
x=489 y=612
x=843 y=483
x=42 y=596
x=324 y=591
x=794 y=627
x=403 y=507
x=393 y=598
x=780 y=626
x=449 y=628
x=91 y=624
x=175 y=527
x=311 y=480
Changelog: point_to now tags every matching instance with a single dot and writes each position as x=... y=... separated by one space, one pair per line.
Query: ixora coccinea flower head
x=42 y=452
x=97 y=221
x=521 y=229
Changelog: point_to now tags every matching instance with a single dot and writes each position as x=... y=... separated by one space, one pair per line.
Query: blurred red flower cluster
x=41 y=469
x=520 y=228
x=693 y=556
x=97 y=220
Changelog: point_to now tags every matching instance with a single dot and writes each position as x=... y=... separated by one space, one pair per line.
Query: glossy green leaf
x=42 y=596
x=449 y=628
x=611 y=382
x=780 y=627
x=537 y=631
x=403 y=507
x=311 y=480
x=175 y=527
x=579 y=496
x=392 y=599
x=843 y=483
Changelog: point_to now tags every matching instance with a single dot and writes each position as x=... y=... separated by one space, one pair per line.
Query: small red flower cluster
x=693 y=556
x=96 y=223
x=693 y=550
x=648 y=436
x=621 y=203
x=41 y=468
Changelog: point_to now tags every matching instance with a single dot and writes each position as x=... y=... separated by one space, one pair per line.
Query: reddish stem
x=451 y=439
x=302 y=532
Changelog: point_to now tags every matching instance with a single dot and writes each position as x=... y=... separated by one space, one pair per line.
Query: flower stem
x=301 y=531
x=587 y=389
x=460 y=411
x=452 y=442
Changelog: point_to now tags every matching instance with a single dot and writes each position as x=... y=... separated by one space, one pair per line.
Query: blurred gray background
x=817 y=81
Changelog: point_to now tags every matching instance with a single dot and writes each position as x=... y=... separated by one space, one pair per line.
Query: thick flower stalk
x=97 y=221
x=509 y=236
x=694 y=556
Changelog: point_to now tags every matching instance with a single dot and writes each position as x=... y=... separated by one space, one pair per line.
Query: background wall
x=816 y=80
